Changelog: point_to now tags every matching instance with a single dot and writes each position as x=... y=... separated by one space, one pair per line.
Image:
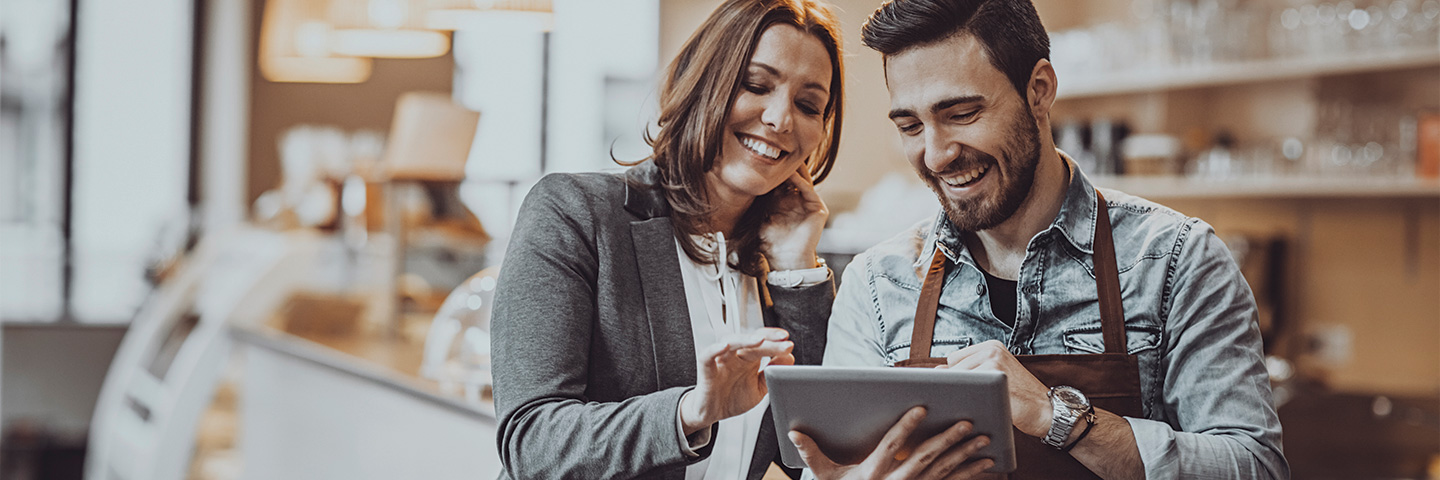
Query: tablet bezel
x=848 y=410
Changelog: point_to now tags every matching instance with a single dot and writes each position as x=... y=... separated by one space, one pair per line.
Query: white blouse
x=722 y=302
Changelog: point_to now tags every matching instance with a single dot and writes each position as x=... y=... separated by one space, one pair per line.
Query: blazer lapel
x=666 y=310
x=665 y=307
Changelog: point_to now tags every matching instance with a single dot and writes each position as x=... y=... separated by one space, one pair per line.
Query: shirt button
x=980 y=289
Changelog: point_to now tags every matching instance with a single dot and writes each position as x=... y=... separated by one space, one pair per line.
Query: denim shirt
x=1189 y=316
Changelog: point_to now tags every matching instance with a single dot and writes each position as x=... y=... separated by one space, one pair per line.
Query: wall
x=131 y=148
x=52 y=375
x=1362 y=285
x=275 y=107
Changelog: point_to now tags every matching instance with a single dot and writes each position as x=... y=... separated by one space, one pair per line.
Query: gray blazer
x=592 y=346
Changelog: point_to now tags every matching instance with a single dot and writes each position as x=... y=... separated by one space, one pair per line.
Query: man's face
x=965 y=129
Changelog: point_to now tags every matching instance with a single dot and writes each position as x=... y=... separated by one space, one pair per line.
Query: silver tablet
x=848 y=410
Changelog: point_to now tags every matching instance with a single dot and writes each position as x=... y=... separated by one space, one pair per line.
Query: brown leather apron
x=1111 y=380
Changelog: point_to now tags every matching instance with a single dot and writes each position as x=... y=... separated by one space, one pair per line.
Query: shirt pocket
x=1089 y=339
x=939 y=347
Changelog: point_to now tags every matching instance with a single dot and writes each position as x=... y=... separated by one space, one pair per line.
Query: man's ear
x=1041 y=91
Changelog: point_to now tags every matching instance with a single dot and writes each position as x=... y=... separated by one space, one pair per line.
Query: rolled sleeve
x=1221 y=421
x=1167 y=453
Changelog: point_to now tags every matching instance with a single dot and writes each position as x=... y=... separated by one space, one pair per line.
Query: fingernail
x=776 y=334
x=983 y=441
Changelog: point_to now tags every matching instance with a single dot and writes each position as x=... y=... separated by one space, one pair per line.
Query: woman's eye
x=756 y=88
x=808 y=108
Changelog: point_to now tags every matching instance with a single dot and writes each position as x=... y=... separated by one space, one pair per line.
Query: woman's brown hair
x=700 y=87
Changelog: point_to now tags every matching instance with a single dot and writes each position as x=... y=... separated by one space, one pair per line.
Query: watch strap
x=1089 y=424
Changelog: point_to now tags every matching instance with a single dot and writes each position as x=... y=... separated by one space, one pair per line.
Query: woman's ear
x=1041 y=91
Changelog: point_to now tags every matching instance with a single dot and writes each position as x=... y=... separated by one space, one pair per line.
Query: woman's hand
x=946 y=455
x=789 y=238
x=729 y=380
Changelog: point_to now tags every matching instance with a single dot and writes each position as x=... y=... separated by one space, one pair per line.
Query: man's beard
x=1021 y=155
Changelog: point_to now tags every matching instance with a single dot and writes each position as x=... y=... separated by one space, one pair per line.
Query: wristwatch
x=1070 y=406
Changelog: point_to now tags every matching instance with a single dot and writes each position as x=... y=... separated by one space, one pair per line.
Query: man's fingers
x=810 y=453
x=974 y=355
x=958 y=456
x=972 y=470
x=895 y=438
x=933 y=448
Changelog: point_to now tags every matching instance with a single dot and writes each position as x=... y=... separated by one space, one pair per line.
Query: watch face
x=1072 y=398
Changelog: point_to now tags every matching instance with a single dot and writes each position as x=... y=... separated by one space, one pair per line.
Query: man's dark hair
x=1009 y=30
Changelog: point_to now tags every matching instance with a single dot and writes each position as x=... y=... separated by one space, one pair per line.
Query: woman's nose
x=777 y=115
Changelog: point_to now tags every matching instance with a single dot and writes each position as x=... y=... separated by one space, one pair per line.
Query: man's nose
x=940 y=151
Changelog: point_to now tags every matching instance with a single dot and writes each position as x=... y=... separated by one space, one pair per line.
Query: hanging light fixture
x=295 y=38
x=449 y=15
x=384 y=29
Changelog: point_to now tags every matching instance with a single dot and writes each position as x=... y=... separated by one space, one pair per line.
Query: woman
x=635 y=310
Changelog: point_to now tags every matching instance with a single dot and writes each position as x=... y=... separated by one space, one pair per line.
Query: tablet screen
x=848 y=410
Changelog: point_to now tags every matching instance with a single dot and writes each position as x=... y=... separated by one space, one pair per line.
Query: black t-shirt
x=1002 y=297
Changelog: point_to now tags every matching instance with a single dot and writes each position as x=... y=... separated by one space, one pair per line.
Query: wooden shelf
x=1215 y=75
x=1272 y=187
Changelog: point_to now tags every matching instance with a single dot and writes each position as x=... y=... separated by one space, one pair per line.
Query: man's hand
x=940 y=457
x=729 y=380
x=1030 y=405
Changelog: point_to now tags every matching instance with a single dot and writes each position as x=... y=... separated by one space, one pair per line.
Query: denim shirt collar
x=1075 y=223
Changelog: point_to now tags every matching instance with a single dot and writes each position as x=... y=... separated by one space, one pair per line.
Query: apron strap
x=1107 y=280
x=922 y=332
x=1107 y=285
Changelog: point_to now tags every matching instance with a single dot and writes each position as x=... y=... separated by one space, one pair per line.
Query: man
x=1021 y=262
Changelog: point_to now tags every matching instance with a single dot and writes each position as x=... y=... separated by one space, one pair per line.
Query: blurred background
x=258 y=238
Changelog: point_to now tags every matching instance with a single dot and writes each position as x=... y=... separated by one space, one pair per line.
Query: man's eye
x=960 y=117
x=909 y=128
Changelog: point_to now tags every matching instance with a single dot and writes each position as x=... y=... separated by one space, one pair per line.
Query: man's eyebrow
x=953 y=101
x=938 y=106
x=901 y=112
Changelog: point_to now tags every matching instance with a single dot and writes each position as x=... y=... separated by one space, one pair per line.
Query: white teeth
x=764 y=149
x=966 y=177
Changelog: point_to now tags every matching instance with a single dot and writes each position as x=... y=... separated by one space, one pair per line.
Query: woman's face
x=778 y=116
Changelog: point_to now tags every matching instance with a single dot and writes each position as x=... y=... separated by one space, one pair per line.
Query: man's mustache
x=967 y=159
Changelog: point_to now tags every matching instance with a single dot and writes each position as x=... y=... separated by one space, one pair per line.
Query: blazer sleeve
x=541 y=331
x=805 y=313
